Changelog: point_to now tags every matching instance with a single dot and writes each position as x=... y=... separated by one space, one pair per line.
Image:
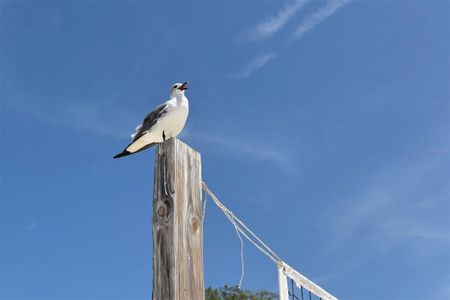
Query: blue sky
x=323 y=125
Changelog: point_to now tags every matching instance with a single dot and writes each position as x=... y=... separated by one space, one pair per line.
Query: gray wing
x=149 y=121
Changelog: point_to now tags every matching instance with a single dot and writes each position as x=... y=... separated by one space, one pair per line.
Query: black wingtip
x=121 y=154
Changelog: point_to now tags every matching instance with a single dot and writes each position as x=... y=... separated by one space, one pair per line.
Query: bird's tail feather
x=125 y=152
x=121 y=154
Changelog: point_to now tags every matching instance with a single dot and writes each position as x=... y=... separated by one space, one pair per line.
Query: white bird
x=164 y=122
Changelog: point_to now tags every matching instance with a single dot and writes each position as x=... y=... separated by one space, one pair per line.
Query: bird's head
x=178 y=89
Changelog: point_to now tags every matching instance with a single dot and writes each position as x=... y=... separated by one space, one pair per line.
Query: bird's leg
x=164 y=136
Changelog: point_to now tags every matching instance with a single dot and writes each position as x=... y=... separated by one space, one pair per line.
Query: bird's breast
x=173 y=123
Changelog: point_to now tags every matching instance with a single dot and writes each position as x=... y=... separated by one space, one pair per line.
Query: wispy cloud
x=443 y=291
x=367 y=209
x=32 y=226
x=384 y=217
x=407 y=228
x=254 y=64
x=97 y=118
x=318 y=16
x=270 y=26
x=250 y=149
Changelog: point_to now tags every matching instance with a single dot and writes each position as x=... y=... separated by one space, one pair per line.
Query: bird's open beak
x=184 y=86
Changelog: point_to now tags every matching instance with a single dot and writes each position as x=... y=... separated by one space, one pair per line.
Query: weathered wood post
x=177 y=224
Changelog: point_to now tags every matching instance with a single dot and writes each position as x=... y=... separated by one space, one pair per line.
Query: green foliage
x=234 y=293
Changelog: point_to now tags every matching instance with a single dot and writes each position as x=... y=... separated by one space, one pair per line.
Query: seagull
x=164 y=122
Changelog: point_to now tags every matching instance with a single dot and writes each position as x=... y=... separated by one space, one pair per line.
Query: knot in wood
x=195 y=225
x=162 y=209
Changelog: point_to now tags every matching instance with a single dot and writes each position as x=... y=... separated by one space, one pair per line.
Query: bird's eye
x=175 y=86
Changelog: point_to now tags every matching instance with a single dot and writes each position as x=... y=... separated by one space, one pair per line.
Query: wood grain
x=177 y=223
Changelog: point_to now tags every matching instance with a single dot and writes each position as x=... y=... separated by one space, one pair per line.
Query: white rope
x=259 y=240
x=230 y=215
x=240 y=227
x=242 y=254
x=204 y=206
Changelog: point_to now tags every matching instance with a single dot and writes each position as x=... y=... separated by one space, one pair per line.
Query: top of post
x=177 y=145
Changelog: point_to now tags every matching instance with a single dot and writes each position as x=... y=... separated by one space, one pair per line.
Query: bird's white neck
x=180 y=98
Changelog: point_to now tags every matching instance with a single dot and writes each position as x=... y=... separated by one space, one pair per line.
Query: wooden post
x=177 y=224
